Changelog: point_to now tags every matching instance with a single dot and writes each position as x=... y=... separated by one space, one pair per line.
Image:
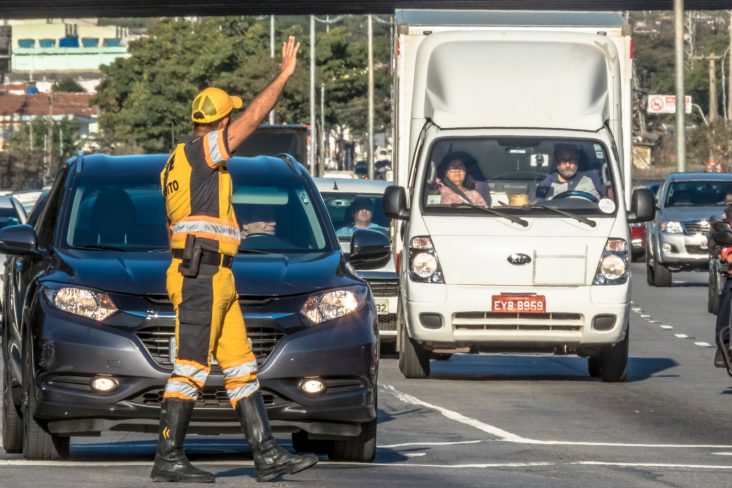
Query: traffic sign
x=666 y=104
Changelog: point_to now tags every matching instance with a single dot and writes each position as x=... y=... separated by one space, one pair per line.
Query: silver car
x=339 y=195
x=677 y=238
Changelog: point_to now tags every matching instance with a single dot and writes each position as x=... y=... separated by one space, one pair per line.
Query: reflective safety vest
x=197 y=188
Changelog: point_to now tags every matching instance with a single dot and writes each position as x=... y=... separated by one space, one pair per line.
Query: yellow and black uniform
x=197 y=188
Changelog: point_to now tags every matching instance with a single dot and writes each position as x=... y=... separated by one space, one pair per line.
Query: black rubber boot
x=171 y=463
x=270 y=460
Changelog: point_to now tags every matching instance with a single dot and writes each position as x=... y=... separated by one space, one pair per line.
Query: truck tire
x=12 y=422
x=360 y=449
x=38 y=443
x=649 y=275
x=712 y=295
x=414 y=360
x=661 y=275
x=614 y=361
x=593 y=366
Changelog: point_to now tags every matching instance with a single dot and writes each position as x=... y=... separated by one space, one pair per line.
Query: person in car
x=454 y=184
x=567 y=176
x=204 y=238
x=361 y=211
x=261 y=220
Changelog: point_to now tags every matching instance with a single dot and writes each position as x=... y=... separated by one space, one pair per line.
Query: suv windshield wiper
x=497 y=213
x=254 y=251
x=100 y=247
x=580 y=218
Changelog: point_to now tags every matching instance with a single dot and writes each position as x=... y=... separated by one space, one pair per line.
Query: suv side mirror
x=642 y=206
x=19 y=240
x=395 y=203
x=370 y=249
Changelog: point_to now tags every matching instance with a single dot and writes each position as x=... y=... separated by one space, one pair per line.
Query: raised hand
x=289 y=56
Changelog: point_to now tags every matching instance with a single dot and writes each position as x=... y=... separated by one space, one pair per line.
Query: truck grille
x=157 y=342
x=384 y=288
x=697 y=227
x=489 y=321
x=387 y=322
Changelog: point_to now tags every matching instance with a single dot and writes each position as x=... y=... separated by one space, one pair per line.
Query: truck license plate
x=382 y=306
x=519 y=304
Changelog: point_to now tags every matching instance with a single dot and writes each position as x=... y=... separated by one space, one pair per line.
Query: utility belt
x=193 y=256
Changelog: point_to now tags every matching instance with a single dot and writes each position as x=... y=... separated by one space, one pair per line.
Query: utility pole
x=322 y=125
x=272 y=55
x=680 y=95
x=313 y=128
x=712 y=60
x=371 y=98
x=729 y=84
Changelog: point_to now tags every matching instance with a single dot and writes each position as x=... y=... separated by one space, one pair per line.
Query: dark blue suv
x=89 y=337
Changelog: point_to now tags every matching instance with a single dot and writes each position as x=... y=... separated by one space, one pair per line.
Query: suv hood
x=684 y=214
x=142 y=273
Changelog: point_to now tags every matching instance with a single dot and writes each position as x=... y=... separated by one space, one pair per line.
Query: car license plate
x=382 y=306
x=173 y=351
x=519 y=304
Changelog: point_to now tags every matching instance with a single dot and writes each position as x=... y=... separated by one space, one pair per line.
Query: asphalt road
x=499 y=420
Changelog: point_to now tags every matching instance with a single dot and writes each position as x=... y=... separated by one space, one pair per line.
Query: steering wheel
x=576 y=194
x=258 y=234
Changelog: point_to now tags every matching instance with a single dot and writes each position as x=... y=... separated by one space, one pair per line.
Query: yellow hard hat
x=212 y=104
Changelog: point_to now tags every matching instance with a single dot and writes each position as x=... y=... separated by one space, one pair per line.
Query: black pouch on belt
x=191 y=261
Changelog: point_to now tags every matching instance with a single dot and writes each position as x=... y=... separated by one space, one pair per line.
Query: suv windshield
x=351 y=210
x=699 y=193
x=519 y=175
x=127 y=213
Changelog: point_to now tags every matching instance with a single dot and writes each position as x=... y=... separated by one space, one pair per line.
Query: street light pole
x=680 y=95
x=371 y=98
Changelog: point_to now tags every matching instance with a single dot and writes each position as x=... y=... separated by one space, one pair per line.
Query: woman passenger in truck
x=455 y=185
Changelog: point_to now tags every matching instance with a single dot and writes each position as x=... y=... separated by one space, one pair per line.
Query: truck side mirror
x=395 y=203
x=642 y=206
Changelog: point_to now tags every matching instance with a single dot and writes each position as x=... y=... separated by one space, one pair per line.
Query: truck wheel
x=12 y=423
x=614 y=361
x=661 y=275
x=649 y=267
x=712 y=296
x=38 y=443
x=361 y=449
x=414 y=360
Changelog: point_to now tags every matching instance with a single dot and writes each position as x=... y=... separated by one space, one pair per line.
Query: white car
x=338 y=195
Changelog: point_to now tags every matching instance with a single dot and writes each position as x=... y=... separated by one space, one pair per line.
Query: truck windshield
x=519 y=175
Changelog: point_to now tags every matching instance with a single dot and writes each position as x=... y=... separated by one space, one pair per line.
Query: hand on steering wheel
x=576 y=194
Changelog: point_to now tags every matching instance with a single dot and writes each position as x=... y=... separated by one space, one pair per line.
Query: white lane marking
x=654 y=465
x=681 y=336
x=506 y=436
x=654 y=321
x=637 y=309
x=702 y=344
x=414 y=454
x=645 y=316
x=409 y=444
x=723 y=453
x=667 y=327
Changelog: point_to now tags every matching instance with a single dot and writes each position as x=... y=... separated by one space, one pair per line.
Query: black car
x=89 y=337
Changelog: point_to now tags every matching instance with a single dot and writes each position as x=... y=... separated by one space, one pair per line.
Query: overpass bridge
x=154 y=8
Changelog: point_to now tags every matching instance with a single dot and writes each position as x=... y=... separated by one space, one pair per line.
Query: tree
x=67 y=85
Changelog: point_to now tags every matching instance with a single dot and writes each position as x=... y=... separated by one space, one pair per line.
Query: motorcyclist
x=720 y=244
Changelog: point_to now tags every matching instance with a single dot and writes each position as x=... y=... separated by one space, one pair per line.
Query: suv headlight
x=614 y=267
x=671 y=227
x=334 y=304
x=95 y=305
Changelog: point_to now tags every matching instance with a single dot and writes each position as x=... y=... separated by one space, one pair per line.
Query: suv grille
x=157 y=342
x=384 y=288
x=210 y=397
x=697 y=227
x=387 y=322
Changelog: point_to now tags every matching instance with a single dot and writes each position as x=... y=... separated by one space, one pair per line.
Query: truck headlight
x=333 y=304
x=424 y=265
x=671 y=227
x=95 y=305
x=614 y=267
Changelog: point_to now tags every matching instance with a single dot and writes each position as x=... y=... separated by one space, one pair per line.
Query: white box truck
x=513 y=167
